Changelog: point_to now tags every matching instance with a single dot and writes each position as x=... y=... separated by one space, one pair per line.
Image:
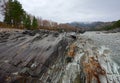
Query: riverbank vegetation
x=16 y=17
x=115 y=25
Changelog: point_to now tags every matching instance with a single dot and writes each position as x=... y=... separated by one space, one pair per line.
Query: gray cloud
x=73 y=10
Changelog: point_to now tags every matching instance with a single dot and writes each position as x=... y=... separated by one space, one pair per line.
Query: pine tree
x=8 y=10
x=34 y=23
x=13 y=12
x=27 y=22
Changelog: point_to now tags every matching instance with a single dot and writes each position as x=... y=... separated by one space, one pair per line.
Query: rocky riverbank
x=51 y=57
x=91 y=64
x=109 y=40
x=109 y=43
x=32 y=56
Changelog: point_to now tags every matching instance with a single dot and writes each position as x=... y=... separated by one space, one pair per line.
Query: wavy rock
x=51 y=57
x=31 y=57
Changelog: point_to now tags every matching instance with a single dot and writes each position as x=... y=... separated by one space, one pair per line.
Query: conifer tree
x=34 y=23
x=27 y=22
x=8 y=10
x=13 y=12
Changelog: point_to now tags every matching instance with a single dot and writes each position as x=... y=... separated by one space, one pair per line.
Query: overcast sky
x=74 y=10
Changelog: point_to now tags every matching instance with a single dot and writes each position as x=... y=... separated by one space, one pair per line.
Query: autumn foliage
x=17 y=17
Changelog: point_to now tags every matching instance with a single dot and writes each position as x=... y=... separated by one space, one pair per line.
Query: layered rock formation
x=91 y=64
x=29 y=57
x=52 y=57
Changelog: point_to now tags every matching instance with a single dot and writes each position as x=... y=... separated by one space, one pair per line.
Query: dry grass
x=65 y=28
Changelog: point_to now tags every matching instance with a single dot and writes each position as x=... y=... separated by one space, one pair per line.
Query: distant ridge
x=91 y=25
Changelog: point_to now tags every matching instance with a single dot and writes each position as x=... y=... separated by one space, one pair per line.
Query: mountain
x=91 y=25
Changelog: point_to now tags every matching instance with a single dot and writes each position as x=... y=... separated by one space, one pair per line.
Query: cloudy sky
x=74 y=10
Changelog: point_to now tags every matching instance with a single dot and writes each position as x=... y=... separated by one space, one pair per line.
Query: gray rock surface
x=92 y=62
x=44 y=57
x=109 y=40
x=108 y=46
x=34 y=58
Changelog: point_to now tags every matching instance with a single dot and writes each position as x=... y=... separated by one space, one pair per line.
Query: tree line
x=114 y=25
x=17 y=17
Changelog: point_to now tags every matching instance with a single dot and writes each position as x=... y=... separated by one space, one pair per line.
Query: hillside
x=91 y=25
